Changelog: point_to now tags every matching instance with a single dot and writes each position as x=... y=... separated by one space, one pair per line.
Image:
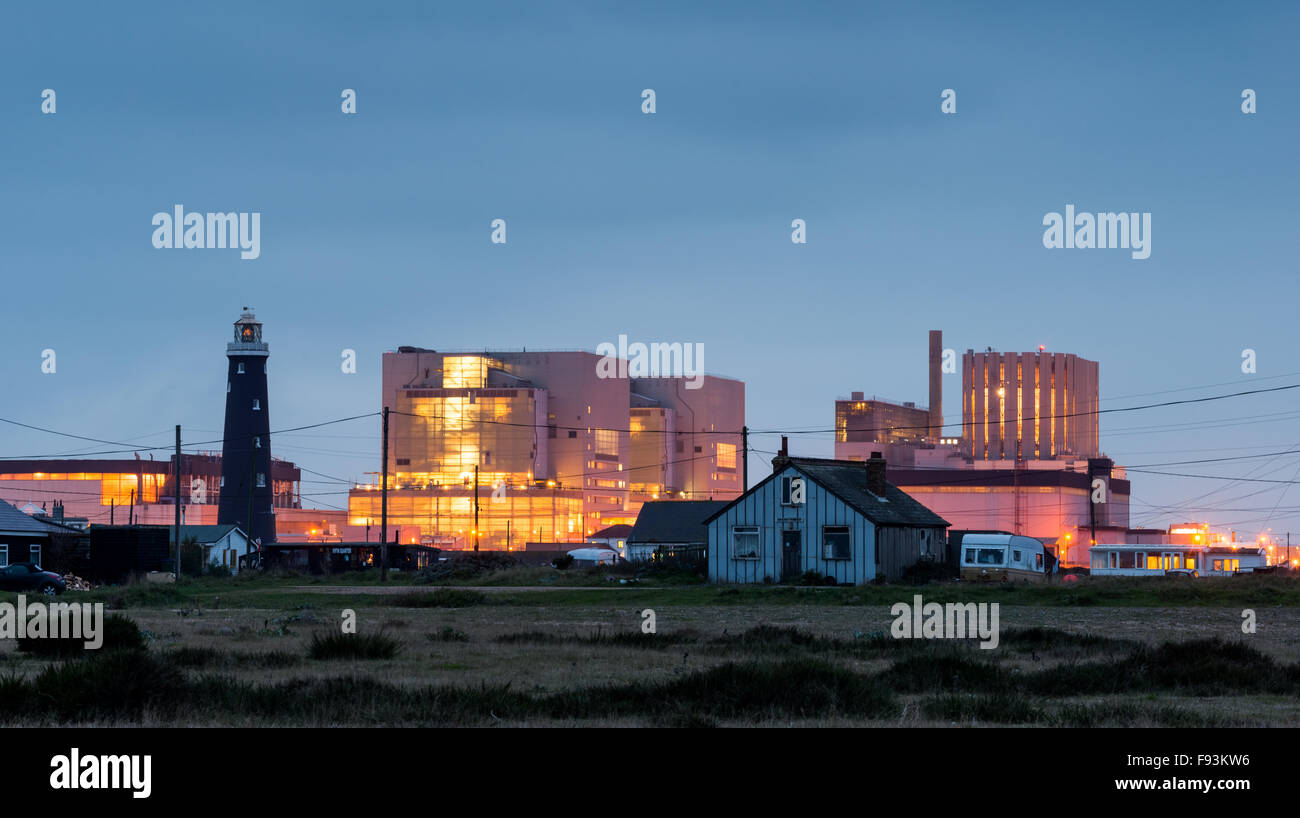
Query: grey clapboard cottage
x=839 y=518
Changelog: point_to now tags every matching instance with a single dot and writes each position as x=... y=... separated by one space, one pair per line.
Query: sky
x=671 y=227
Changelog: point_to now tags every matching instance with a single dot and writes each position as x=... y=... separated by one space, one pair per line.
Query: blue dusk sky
x=666 y=227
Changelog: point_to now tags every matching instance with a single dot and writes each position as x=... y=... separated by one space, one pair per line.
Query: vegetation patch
x=337 y=645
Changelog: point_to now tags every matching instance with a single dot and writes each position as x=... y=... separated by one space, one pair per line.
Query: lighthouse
x=246 y=487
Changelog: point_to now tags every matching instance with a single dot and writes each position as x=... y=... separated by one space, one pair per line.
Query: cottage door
x=791 y=554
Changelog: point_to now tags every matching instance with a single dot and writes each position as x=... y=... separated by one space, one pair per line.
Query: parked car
x=28 y=576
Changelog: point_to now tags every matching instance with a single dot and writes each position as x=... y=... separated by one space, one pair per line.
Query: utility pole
x=508 y=534
x=383 y=508
x=130 y=519
x=112 y=507
x=475 y=507
x=744 y=444
x=1288 y=551
x=177 y=526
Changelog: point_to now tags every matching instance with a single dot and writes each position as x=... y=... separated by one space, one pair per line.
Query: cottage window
x=744 y=542
x=1112 y=559
x=4 y=555
x=835 y=542
x=1038 y=561
x=34 y=554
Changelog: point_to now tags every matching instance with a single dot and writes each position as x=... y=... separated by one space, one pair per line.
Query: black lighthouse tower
x=246 y=488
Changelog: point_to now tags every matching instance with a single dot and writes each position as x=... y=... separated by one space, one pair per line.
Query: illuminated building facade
x=498 y=449
x=142 y=491
x=1029 y=406
x=1047 y=500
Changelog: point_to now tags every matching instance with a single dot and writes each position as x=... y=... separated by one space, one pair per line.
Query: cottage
x=672 y=528
x=222 y=545
x=839 y=518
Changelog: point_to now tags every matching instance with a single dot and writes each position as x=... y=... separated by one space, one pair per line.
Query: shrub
x=563 y=562
x=119 y=633
x=118 y=684
x=336 y=645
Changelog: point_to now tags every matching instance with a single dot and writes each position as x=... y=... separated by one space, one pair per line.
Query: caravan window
x=1015 y=556
x=1038 y=561
x=985 y=556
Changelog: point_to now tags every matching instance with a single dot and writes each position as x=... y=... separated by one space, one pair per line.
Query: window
x=1139 y=559
x=1153 y=562
x=835 y=542
x=240 y=369
x=1218 y=565
x=1112 y=559
x=572 y=433
x=257 y=405
x=1038 y=561
x=726 y=455
x=990 y=556
x=744 y=542
x=1191 y=563
x=227 y=386
x=261 y=481
x=35 y=555
x=606 y=442
x=1015 y=556
x=257 y=442
x=4 y=555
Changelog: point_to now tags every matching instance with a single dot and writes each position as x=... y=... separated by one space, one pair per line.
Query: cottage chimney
x=876 y=475
x=782 y=457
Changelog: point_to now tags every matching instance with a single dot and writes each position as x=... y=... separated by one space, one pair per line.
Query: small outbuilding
x=672 y=528
x=839 y=518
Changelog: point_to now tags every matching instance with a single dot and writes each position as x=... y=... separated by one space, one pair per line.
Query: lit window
x=744 y=542
x=606 y=442
x=726 y=455
x=1153 y=563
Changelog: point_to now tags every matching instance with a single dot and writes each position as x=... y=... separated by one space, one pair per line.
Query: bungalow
x=672 y=527
x=25 y=538
x=839 y=518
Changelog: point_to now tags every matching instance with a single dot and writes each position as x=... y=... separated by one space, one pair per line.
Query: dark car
x=28 y=576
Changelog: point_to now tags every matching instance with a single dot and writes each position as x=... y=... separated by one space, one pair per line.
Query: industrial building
x=491 y=450
x=1029 y=406
x=1023 y=460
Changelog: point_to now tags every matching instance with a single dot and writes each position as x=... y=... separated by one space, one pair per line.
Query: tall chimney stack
x=936 y=385
x=876 y=483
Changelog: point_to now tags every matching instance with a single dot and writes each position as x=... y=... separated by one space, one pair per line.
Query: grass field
x=269 y=651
